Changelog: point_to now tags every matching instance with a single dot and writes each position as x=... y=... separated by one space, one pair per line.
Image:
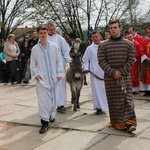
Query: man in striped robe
x=116 y=57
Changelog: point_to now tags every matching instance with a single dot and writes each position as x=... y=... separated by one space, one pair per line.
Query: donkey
x=75 y=77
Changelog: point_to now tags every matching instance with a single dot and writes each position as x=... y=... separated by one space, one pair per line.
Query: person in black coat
x=31 y=43
x=23 y=57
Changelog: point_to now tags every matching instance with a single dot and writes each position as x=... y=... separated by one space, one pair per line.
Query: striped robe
x=118 y=55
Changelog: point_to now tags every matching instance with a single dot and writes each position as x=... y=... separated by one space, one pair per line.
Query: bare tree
x=74 y=15
x=13 y=13
x=109 y=9
x=133 y=4
x=66 y=13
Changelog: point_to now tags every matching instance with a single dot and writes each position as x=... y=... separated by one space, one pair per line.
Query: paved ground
x=81 y=130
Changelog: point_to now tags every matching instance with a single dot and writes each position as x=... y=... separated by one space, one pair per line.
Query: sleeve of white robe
x=65 y=49
x=86 y=60
x=60 y=68
x=33 y=66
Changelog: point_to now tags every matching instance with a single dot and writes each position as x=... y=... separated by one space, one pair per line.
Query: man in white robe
x=46 y=67
x=90 y=64
x=64 y=50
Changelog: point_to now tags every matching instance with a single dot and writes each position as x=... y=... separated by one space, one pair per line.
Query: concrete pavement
x=81 y=130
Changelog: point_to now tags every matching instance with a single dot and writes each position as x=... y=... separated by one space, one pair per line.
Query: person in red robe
x=136 y=66
x=145 y=65
x=135 y=34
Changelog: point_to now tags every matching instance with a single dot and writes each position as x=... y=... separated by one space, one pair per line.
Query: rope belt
x=120 y=81
x=97 y=77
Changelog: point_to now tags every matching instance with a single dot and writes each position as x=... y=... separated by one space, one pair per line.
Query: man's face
x=96 y=38
x=130 y=30
x=115 y=30
x=34 y=34
x=148 y=33
x=107 y=35
x=26 y=38
x=51 y=30
x=129 y=37
x=42 y=34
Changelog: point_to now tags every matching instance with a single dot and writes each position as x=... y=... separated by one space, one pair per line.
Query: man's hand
x=59 y=78
x=86 y=72
x=15 y=56
x=117 y=75
x=38 y=78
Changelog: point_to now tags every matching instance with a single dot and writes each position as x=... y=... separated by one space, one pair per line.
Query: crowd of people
x=118 y=66
x=15 y=62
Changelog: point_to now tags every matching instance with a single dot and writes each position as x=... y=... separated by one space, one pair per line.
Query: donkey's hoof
x=75 y=109
x=85 y=83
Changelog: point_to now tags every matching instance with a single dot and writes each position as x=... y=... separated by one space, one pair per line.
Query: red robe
x=146 y=51
x=136 y=66
x=138 y=38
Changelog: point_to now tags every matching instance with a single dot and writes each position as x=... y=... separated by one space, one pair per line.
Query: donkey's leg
x=78 y=96
x=84 y=80
x=75 y=101
x=72 y=96
x=79 y=87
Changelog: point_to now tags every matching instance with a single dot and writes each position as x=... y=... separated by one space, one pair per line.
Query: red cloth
x=136 y=66
x=138 y=48
x=146 y=51
x=138 y=38
x=145 y=47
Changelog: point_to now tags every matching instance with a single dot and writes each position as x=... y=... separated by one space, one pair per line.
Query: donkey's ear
x=71 y=53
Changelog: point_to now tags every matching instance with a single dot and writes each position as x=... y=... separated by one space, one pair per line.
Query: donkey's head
x=76 y=62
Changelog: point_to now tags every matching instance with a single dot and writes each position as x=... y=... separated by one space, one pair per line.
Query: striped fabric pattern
x=118 y=55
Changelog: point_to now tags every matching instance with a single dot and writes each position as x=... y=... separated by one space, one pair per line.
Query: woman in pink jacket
x=11 y=53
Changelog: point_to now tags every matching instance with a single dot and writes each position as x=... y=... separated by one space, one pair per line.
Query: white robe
x=64 y=50
x=48 y=64
x=90 y=62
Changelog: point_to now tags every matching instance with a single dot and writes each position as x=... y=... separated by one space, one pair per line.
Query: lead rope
x=120 y=81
